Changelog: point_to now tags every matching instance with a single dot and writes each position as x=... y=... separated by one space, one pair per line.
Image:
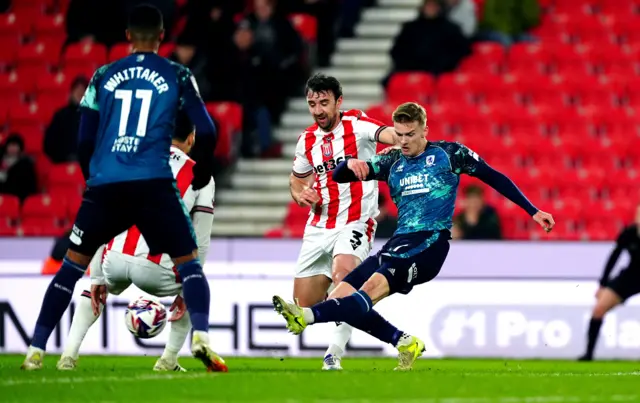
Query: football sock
x=594 y=331
x=83 y=319
x=195 y=289
x=339 y=339
x=56 y=300
x=348 y=309
x=377 y=326
x=177 y=336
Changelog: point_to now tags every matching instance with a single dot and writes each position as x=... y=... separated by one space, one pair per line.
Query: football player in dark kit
x=617 y=290
x=127 y=121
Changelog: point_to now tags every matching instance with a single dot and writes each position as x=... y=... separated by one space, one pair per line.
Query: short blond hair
x=410 y=112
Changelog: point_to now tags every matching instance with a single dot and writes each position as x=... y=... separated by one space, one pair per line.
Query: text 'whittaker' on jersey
x=137 y=98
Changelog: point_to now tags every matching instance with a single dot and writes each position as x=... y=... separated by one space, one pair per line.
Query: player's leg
x=115 y=272
x=313 y=268
x=162 y=282
x=351 y=248
x=96 y=223
x=608 y=297
x=166 y=226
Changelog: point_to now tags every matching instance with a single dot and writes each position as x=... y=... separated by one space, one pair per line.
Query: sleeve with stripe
x=301 y=165
x=202 y=218
x=371 y=127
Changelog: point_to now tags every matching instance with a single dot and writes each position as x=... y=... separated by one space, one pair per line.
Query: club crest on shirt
x=431 y=160
x=327 y=149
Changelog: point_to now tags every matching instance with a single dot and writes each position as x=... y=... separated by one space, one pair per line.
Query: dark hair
x=145 y=23
x=184 y=127
x=473 y=190
x=322 y=83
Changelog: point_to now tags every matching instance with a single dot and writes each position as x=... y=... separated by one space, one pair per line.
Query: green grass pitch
x=297 y=380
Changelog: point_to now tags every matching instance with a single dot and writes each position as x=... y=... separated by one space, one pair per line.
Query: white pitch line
x=89 y=379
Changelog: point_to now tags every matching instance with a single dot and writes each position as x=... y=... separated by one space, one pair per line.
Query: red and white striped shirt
x=131 y=242
x=317 y=151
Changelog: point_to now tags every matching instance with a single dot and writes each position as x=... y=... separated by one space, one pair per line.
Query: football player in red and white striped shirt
x=341 y=226
x=127 y=260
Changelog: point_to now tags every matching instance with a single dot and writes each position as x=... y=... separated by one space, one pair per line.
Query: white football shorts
x=321 y=245
x=120 y=271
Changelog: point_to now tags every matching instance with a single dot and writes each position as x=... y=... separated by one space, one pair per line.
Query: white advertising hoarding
x=483 y=318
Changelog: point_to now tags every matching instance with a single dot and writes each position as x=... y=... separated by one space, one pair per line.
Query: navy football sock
x=56 y=300
x=377 y=326
x=195 y=290
x=348 y=309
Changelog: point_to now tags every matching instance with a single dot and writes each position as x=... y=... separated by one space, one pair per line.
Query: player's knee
x=342 y=290
x=78 y=258
x=342 y=266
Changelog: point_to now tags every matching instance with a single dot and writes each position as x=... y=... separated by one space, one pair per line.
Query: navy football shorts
x=403 y=273
x=626 y=284
x=154 y=206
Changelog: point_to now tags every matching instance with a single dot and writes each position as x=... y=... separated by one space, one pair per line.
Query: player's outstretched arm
x=353 y=170
x=508 y=189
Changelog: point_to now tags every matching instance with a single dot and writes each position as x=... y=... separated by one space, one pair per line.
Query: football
x=145 y=317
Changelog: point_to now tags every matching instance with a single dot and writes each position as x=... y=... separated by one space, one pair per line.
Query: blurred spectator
x=477 y=220
x=210 y=29
x=430 y=43
x=17 y=171
x=5 y=5
x=268 y=51
x=387 y=223
x=463 y=14
x=106 y=21
x=188 y=55
x=508 y=21
x=60 y=138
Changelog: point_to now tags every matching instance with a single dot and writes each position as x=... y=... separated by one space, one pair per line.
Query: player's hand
x=308 y=197
x=387 y=150
x=178 y=308
x=360 y=168
x=98 y=296
x=545 y=220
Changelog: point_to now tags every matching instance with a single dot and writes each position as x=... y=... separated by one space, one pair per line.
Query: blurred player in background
x=423 y=178
x=341 y=226
x=612 y=293
x=127 y=122
x=126 y=260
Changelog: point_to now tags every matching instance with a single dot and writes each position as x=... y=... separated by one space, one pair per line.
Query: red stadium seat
x=403 y=86
x=30 y=116
x=306 y=25
x=9 y=209
x=86 y=54
x=50 y=26
x=67 y=176
x=15 y=88
x=36 y=58
x=119 y=51
x=43 y=215
x=229 y=117
x=33 y=140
